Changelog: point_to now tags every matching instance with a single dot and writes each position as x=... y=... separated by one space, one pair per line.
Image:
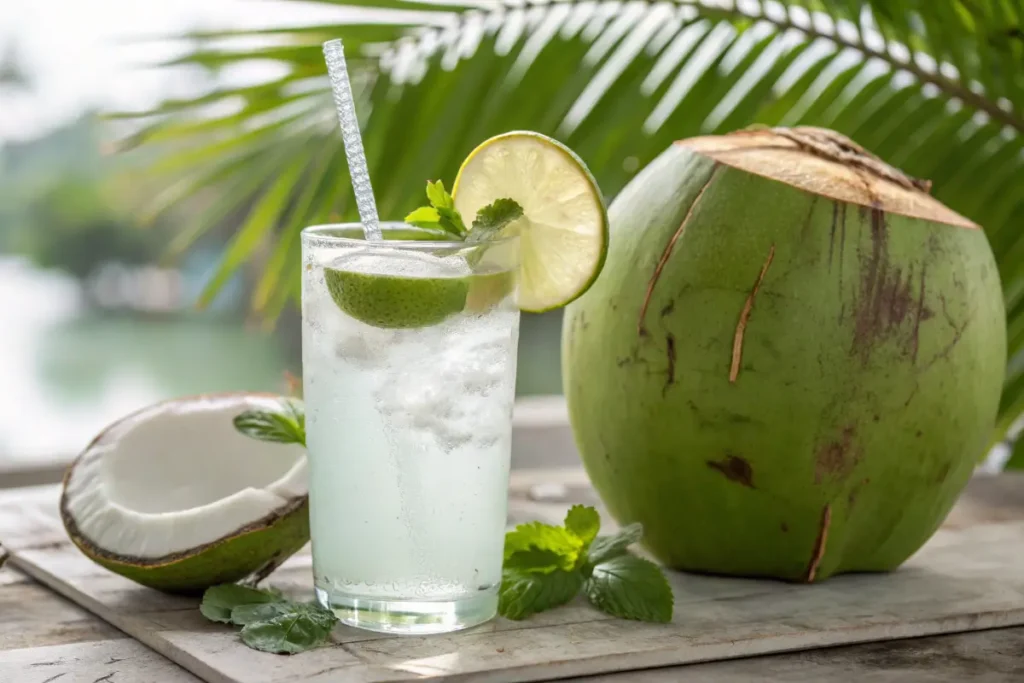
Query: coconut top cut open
x=828 y=164
x=176 y=478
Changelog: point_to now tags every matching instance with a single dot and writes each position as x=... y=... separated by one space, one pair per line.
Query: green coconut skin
x=226 y=560
x=871 y=366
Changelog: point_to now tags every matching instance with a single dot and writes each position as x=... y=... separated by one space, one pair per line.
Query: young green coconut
x=791 y=361
x=175 y=497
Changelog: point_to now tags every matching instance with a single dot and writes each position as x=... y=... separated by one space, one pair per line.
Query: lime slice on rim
x=563 y=233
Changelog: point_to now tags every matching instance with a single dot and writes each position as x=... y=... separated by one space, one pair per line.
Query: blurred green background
x=170 y=156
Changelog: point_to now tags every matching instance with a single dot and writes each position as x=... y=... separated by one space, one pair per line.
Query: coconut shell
x=792 y=360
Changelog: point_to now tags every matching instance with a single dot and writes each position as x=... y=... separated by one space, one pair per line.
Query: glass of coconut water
x=409 y=359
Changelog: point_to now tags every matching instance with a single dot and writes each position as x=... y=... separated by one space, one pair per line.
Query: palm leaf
x=932 y=86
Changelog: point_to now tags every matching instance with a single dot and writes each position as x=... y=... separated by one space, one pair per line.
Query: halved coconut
x=175 y=498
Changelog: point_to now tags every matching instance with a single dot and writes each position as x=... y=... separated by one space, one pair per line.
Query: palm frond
x=934 y=87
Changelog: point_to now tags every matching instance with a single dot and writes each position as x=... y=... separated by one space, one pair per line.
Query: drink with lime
x=409 y=358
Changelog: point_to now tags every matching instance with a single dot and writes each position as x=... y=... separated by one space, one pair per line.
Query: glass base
x=413 y=617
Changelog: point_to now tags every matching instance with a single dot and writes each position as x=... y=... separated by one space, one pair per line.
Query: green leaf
x=438 y=196
x=243 y=615
x=630 y=587
x=304 y=627
x=1016 y=461
x=584 y=522
x=556 y=540
x=288 y=425
x=493 y=218
x=451 y=221
x=441 y=213
x=424 y=217
x=535 y=560
x=258 y=223
x=219 y=601
x=523 y=594
x=605 y=548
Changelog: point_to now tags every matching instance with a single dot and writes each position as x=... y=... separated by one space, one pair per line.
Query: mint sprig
x=542 y=548
x=492 y=219
x=441 y=214
x=547 y=566
x=270 y=622
x=287 y=424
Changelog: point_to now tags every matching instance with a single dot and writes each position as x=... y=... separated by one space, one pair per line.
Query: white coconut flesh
x=178 y=475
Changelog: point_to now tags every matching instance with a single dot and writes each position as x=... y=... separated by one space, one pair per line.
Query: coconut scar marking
x=819 y=544
x=640 y=329
x=741 y=326
x=734 y=468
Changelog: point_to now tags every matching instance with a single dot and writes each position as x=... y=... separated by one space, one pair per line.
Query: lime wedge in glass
x=563 y=233
x=396 y=300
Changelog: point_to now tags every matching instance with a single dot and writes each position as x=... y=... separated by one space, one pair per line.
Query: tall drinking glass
x=409 y=360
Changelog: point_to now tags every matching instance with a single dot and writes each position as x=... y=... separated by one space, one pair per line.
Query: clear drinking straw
x=334 y=55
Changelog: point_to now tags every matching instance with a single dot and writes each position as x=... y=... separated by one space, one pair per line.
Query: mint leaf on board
x=605 y=548
x=546 y=566
x=244 y=615
x=630 y=587
x=286 y=425
x=584 y=522
x=523 y=594
x=493 y=218
x=220 y=601
x=560 y=544
x=305 y=626
x=535 y=560
x=269 y=621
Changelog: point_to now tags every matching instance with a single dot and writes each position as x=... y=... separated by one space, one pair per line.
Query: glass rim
x=322 y=233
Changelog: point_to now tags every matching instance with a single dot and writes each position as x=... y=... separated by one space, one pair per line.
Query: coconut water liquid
x=408 y=433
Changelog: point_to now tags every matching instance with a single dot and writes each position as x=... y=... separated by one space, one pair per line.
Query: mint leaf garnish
x=559 y=544
x=493 y=218
x=605 y=548
x=219 y=601
x=438 y=196
x=303 y=627
x=286 y=425
x=584 y=522
x=441 y=214
x=523 y=593
x=424 y=217
x=269 y=621
x=546 y=566
x=630 y=587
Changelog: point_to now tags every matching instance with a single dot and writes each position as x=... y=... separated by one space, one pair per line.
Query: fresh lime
x=413 y=292
x=563 y=233
x=487 y=290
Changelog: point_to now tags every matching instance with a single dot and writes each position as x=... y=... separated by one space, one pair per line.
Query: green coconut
x=175 y=498
x=792 y=360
